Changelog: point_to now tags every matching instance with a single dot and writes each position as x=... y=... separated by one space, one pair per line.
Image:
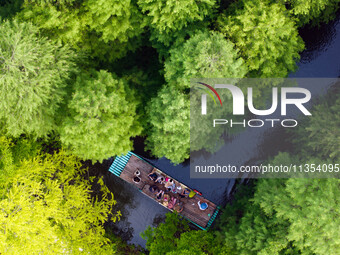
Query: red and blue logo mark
x=209 y=93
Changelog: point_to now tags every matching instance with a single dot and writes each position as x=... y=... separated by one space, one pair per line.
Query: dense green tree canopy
x=314 y=11
x=102 y=28
x=169 y=132
x=266 y=36
x=175 y=237
x=169 y=16
x=205 y=55
x=160 y=240
x=311 y=206
x=33 y=76
x=314 y=138
x=47 y=207
x=102 y=117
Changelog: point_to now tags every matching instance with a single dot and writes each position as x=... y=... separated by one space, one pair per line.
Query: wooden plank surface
x=134 y=164
x=190 y=205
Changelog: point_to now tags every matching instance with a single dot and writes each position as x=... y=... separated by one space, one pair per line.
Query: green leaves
x=319 y=141
x=169 y=16
x=311 y=208
x=102 y=117
x=161 y=240
x=314 y=11
x=169 y=134
x=266 y=36
x=204 y=55
x=102 y=28
x=48 y=208
x=33 y=76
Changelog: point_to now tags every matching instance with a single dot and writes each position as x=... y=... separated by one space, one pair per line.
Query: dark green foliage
x=310 y=206
x=102 y=117
x=160 y=240
x=313 y=11
x=266 y=36
x=9 y=8
x=173 y=237
x=33 y=76
x=320 y=134
x=297 y=215
x=169 y=133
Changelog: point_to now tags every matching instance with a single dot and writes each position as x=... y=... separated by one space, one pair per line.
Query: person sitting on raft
x=154 y=189
x=179 y=207
x=153 y=176
x=159 y=195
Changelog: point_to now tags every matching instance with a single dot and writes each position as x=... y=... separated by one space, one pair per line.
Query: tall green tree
x=166 y=17
x=47 y=207
x=313 y=11
x=102 y=28
x=169 y=133
x=311 y=206
x=266 y=35
x=101 y=117
x=319 y=135
x=204 y=55
x=175 y=237
x=33 y=75
x=160 y=240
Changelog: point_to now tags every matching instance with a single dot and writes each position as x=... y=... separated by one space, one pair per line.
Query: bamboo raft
x=125 y=168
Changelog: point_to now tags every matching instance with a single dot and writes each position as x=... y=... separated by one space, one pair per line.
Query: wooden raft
x=191 y=209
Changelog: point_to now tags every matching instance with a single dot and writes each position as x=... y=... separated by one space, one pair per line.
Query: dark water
x=320 y=59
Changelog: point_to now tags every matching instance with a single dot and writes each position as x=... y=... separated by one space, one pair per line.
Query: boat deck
x=191 y=210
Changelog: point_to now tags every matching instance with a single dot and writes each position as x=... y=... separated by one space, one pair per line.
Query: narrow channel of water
x=320 y=59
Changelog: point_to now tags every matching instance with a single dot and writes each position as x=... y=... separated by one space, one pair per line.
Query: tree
x=266 y=35
x=197 y=242
x=169 y=132
x=205 y=55
x=168 y=16
x=160 y=240
x=311 y=206
x=246 y=229
x=102 y=28
x=101 y=117
x=313 y=138
x=9 y=8
x=47 y=207
x=33 y=75
x=314 y=11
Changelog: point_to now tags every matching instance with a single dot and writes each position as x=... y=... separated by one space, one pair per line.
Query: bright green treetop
x=205 y=55
x=266 y=36
x=314 y=11
x=103 y=28
x=168 y=16
x=114 y=20
x=33 y=75
x=47 y=207
x=169 y=134
x=102 y=117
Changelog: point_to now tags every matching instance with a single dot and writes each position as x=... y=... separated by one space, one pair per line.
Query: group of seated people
x=168 y=201
x=165 y=197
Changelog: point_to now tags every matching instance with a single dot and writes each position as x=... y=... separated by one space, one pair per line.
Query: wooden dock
x=126 y=166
